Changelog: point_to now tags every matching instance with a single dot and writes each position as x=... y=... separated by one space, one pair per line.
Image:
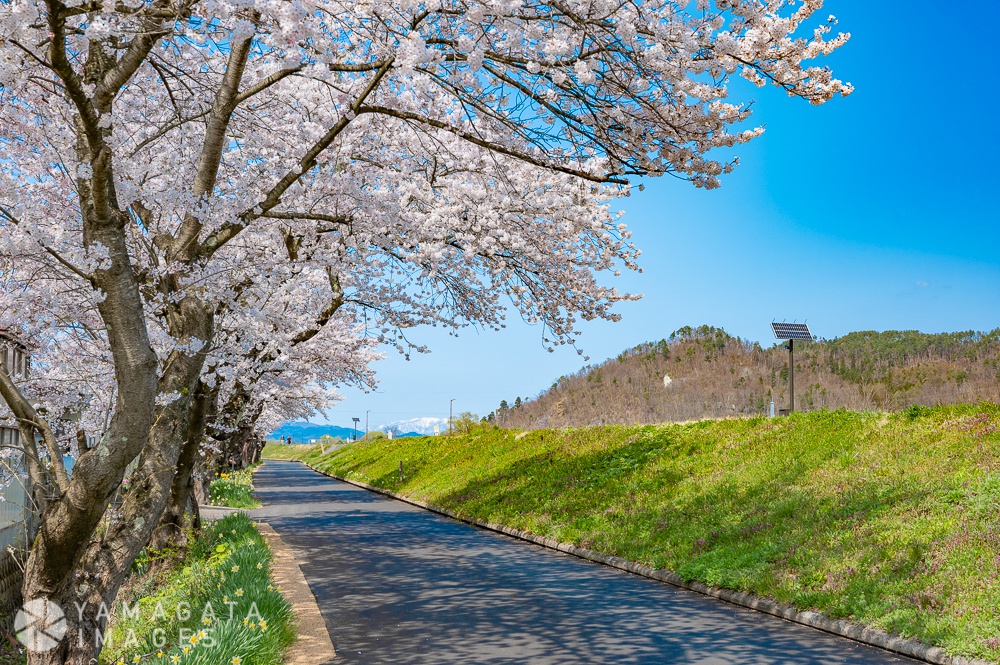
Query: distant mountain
x=706 y=373
x=306 y=432
x=417 y=426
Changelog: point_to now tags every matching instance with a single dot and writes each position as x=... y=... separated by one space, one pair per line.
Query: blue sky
x=875 y=212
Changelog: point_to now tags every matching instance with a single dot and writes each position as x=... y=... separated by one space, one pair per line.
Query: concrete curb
x=313 y=645
x=212 y=513
x=843 y=628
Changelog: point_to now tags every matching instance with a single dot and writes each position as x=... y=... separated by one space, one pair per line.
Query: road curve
x=397 y=584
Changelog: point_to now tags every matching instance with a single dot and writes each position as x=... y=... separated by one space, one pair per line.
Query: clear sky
x=875 y=212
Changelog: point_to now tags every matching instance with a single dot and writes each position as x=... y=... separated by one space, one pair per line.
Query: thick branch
x=26 y=415
x=215 y=140
x=319 y=217
x=150 y=32
x=307 y=162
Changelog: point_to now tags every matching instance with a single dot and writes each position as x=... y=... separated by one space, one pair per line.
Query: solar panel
x=791 y=331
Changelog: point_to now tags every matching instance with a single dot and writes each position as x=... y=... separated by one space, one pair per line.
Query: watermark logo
x=40 y=625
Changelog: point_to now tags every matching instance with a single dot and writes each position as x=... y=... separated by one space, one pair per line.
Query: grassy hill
x=712 y=375
x=890 y=519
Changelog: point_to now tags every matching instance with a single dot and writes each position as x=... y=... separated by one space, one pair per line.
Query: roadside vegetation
x=216 y=606
x=285 y=451
x=889 y=519
x=234 y=489
x=704 y=372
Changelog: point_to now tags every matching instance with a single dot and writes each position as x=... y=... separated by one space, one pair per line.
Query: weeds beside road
x=892 y=520
x=217 y=606
x=234 y=489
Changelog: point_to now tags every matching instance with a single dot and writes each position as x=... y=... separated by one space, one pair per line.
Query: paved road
x=397 y=584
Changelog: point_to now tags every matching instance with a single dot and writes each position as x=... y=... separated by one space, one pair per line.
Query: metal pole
x=366 y=421
x=451 y=429
x=791 y=376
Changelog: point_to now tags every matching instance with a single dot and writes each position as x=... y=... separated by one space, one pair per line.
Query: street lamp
x=451 y=419
x=356 y=421
x=366 y=421
x=791 y=332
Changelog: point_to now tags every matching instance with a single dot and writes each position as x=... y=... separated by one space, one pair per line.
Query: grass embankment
x=288 y=452
x=892 y=520
x=233 y=489
x=218 y=606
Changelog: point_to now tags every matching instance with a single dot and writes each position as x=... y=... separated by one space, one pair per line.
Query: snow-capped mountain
x=418 y=425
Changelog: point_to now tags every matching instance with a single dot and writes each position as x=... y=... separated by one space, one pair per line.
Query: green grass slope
x=286 y=452
x=892 y=520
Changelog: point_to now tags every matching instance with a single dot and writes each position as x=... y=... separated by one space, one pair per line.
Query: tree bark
x=70 y=566
x=171 y=531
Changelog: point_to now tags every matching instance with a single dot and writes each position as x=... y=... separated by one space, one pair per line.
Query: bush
x=465 y=422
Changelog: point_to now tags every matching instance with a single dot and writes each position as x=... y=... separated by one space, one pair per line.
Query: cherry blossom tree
x=214 y=193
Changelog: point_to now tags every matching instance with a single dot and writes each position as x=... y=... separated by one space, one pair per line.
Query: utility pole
x=791 y=376
x=451 y=419
x=366 y=421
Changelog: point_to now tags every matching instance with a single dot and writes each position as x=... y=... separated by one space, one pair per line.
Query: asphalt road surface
x=397 y=584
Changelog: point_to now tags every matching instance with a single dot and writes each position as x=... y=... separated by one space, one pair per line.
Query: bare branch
x=489 y=145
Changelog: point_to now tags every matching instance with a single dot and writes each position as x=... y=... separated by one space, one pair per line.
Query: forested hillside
x=705 y=372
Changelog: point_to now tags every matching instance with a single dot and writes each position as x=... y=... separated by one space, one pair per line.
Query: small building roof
x=7 y=335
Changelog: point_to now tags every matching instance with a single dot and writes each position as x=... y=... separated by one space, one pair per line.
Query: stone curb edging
x=843 y=628
x=313 y=645
x=210 y=513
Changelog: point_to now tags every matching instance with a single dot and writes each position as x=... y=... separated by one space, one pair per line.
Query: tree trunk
x=68 y=523
x=170 y=531
x=68 y=564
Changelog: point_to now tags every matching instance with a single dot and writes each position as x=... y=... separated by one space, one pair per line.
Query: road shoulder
x=313 y=646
